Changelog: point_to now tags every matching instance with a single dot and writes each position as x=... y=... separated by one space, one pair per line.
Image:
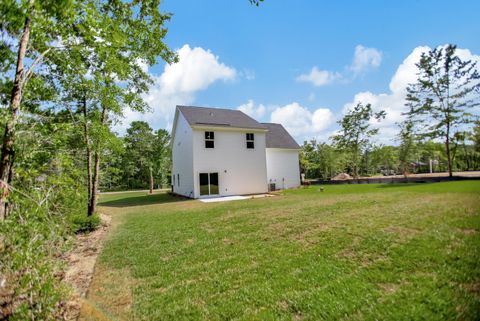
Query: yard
x=360 y=252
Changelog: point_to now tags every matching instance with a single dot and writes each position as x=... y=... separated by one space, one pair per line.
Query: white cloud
x=301 y=122
x=365 y=58
x=319 y=77
x=252 y=110
x=196 y=70
x=394 y=101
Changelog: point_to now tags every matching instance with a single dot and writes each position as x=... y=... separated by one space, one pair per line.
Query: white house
x=220 y=152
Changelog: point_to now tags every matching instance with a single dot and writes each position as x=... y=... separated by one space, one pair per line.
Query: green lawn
x=360 y=252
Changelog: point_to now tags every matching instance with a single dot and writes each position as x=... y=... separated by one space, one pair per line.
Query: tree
x=320 y=160
x=309 y=159
x=147 y=156
x=162 y=158
x=139 y=146
x=476 y=136
x=380 y=157
x=36 y=23
x=103 y=76
x=406 y=146
x=355 y=133
x=442 y=98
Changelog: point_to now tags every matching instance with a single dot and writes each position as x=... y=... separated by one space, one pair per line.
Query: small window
x=209 y=139
x=173 y=176
x=250 y=141
x=178 y=179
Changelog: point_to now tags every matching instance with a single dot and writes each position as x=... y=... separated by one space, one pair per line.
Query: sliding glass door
x=208 y=184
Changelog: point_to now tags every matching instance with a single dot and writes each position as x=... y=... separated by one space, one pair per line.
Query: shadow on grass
x=387 y=185
x=146 y=199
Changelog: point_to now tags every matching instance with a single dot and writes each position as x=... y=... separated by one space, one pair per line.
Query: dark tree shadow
x=135 y=200
x=388 y=185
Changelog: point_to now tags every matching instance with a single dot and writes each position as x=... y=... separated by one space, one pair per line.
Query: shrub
x=30 y=268
x=84 y=223
x=34 y=238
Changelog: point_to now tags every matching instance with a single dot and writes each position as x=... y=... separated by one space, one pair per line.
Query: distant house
x=221 y=152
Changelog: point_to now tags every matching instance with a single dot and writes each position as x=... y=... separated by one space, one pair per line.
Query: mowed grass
x=359 y=252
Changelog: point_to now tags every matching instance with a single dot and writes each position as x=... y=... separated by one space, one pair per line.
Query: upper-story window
x=250 y=141
x=209 y=140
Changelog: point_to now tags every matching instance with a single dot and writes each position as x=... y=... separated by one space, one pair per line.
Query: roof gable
x=278 y=137
x=218 y=117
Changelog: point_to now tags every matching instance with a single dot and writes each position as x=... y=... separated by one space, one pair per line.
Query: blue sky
x=256 y=56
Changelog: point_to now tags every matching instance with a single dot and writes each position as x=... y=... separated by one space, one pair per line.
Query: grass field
x=360 y=252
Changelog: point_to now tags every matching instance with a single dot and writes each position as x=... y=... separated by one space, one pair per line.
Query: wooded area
x=69 y=70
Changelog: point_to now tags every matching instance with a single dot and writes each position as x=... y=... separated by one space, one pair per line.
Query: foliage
x=476 y=136
x=444 y=95
x=82 y=223
x=36 y=233
x=256 y=2
x=324 y=161
x=29 y=265
x=407 y=145
x=355 y=133
x=379 y=158
x=145 y=153
x=320 y=160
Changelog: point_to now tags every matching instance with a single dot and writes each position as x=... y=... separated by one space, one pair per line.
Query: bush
x=30 y=269
x=35 y=237
x=84 y=223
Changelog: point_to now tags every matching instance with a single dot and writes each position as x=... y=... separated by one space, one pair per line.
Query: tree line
x=141 y=160
x=321 y=160
x=441 y=127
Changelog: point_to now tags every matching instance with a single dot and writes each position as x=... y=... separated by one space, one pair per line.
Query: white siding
x=283 y=168
x=240 y=170
x=182 y=158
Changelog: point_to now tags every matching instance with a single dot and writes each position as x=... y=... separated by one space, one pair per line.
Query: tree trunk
x=92 y=207
x=447 y=149
x=88 y=149
x=151 y=181
x=6 y=157
x=405 y=169
x=355 y=164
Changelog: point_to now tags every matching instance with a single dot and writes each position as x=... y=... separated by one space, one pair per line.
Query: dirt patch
x=473 y=288
x=361 y=259
x=81 y=263
x=342 y=177
x=389 y=288
x=283 y=305
x=405 y=233
x=468 y=231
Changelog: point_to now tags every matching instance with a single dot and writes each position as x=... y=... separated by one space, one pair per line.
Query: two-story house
x=220 y=152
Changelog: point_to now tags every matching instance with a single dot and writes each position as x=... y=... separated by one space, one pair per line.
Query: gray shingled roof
x=218 y=117
x=278 y=137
